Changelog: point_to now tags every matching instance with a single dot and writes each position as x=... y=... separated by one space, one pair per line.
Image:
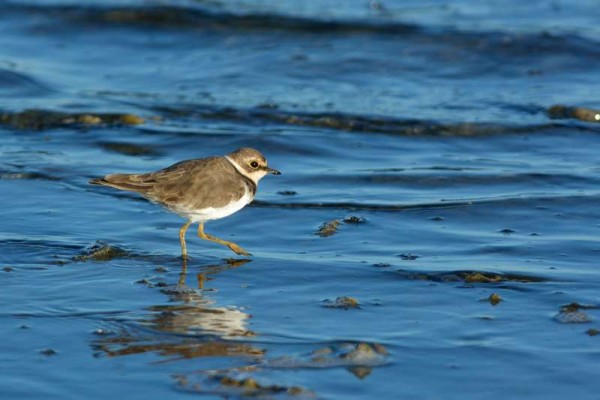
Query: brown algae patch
x=101 y=251
x=344 y=122
x=329 y=228
x=343 y=302
x=88 y=119
x=43 y=119
x=237 y=382
x=131 y=119
x=355 y=123
x=573 y=314
x=560 y=111
x=478 y=277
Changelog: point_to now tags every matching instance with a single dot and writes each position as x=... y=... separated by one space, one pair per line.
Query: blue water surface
x=462 y=263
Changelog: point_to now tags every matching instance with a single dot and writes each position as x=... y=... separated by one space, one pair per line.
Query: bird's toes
x=238 y=250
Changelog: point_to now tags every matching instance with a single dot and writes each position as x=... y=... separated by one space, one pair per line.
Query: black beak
x=272 y=171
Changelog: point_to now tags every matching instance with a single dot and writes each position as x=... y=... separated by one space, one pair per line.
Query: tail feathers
x=130 y=182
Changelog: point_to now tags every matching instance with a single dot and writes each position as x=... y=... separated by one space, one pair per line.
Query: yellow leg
x=234 y=247
x=183 y=273
x=182 y=231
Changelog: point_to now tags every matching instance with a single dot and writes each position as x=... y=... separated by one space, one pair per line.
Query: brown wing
x=129 y=182
x=201 y=183
x=143 y=183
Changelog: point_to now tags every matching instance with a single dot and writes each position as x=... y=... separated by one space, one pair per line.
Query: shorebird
x=200 y=190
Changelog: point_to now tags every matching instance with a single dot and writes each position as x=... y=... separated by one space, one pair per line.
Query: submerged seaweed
x=469 y=277
x=38 y=119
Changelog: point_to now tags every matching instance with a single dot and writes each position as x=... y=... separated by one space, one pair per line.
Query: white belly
x=209 y=213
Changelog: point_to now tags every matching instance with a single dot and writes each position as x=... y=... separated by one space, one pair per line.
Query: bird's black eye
x=254 y=164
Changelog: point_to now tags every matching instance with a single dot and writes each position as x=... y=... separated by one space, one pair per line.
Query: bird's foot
x=238 y=250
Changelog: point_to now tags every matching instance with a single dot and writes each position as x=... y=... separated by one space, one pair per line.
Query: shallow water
x=423 y=172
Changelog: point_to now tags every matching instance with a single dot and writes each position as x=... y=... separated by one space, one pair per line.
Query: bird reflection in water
x=197 y=314
x=199 y=328
x=192 y=326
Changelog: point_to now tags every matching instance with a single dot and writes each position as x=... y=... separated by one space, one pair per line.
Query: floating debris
x=581 y=113
x=408 y=256
x=341 y=302
x=354 y=219
x=593 y=331
x=494 y=299
x=8 y=269
x=287 y=192
x=101 y=251
x=43 y=119
x=572 y=314
x=48 y=352
x=382 y=265
x=329 y=228
x=102 y=332
x=507 y=231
